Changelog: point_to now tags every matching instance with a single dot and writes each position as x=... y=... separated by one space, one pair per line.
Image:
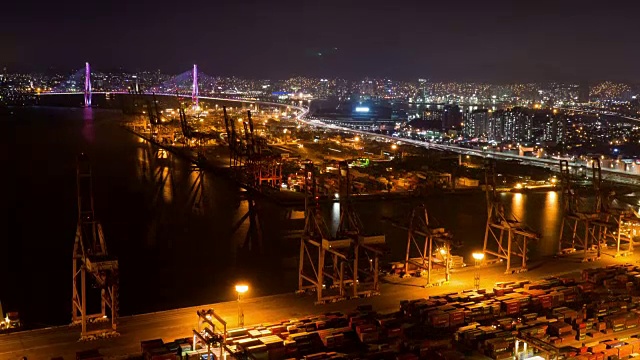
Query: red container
x=394 y=332
x=365 y=328
x=623 y=353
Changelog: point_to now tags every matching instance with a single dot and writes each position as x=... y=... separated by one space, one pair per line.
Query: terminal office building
x=357 y=113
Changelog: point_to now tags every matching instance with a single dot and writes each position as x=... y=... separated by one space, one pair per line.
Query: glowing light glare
x=443 y=251
x=394 y=146
x=478 y=256
x=362 y=109
x=194 y=91
x=518 y=186
x=87 y=85
x=241 y=289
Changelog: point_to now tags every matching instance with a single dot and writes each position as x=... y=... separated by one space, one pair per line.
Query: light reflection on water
x=541 y=211
x=517 y=206
x=88 y=130
x=551 y=218
x=335 y=217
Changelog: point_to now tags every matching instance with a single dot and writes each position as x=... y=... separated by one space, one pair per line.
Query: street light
x=447 y=262
x=394 y=146
x=241 y=289
x=478 y=257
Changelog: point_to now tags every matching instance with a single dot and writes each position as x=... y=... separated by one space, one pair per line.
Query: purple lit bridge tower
x=87 y=85
x=194 y=91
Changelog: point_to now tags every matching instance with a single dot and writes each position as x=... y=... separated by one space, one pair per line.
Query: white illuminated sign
x=362 y=109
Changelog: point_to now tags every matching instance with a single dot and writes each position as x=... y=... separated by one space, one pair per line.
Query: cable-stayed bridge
x=190 y=81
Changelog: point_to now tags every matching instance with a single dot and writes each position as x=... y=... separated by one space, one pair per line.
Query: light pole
x=241 y=289
x=477 y=256
x=447 y=263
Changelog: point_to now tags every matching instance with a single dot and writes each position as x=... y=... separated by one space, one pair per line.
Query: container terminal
x=578 y=304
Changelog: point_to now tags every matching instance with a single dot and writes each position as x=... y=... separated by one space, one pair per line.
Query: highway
x=616 y=175
x=172 y=324
x=608 y=113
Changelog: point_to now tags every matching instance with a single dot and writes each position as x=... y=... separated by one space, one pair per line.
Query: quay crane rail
x=91 y=259
x=505 y=237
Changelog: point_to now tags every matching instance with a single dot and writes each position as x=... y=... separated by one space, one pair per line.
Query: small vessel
x=9 y=321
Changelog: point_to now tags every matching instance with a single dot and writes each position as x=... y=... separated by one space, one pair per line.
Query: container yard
x=593 y=316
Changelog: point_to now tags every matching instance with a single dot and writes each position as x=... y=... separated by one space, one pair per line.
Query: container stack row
x=591 y=317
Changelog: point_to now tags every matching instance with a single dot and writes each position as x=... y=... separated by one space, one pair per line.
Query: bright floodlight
x=478 y=256
x=242 y=288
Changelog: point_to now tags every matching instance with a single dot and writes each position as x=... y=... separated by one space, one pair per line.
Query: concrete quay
x=171 y=324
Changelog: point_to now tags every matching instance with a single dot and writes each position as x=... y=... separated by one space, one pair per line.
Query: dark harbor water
x=171 y=254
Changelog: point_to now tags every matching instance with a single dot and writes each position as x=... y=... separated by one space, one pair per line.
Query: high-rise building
x=554 y=129
x=323 y=89
x=584 y=92
x=451 y=117
x=476 y=123
x=433 y=117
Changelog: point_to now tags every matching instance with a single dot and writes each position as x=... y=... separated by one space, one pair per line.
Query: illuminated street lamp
x=241 y=289
x=447 y=262
x=478 y=257
x=394 y=147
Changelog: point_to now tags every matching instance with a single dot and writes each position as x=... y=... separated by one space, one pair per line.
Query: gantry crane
x=617 y=225
x=620 y=227
x=367 y=248
x=236 y=151
x=428 y=246
x=249 y=157
x=315 y=245
x=196 y=173
x=163 y=134
x=578 y=228
x=505 y=237
x=328 y=264
x=91 y=259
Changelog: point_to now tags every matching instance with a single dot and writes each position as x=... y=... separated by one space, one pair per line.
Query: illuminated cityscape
x=333 y=180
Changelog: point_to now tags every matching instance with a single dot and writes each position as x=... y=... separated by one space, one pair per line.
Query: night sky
x=497 y=41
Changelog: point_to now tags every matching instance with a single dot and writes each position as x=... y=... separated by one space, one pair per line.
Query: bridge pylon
x=194 y=91
x=87 y=85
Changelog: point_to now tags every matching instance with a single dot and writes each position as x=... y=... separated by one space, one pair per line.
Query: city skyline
x=488 y=42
